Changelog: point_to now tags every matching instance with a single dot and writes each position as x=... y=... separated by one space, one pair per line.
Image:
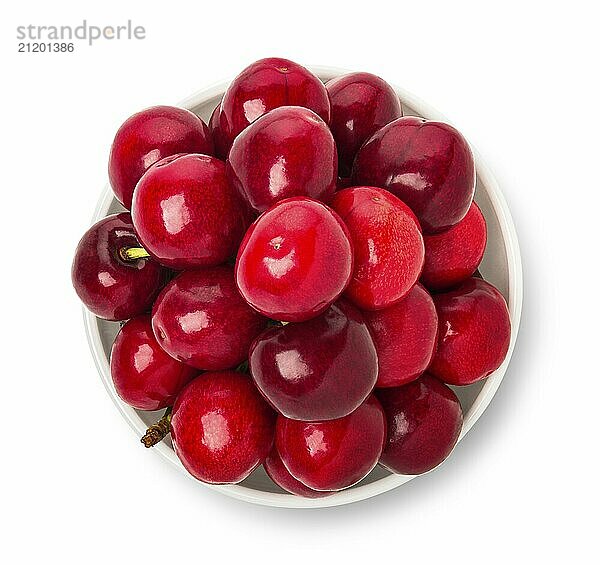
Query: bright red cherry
x=405 y=336
x=361 y=103
x=424 y=420
x=186 y=214
x=428 y=165
x=453 y=256
x=473 y=335
x=335 y=454
x=200 y=319
x=316 y=370
x=111 y=286
x=288 y=152
x=144 y=376
x=281 y=476
x=222 y=429
x=148 y=137
x=295 y=260
x=388 y=245
x=265 y=85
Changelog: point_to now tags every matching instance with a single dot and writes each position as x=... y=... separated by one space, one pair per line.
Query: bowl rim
x=483 y=399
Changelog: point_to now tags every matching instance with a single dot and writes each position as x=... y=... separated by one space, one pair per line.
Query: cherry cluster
x=298 y=280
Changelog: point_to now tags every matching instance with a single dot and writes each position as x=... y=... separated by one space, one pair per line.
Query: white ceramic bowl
x=501 y=266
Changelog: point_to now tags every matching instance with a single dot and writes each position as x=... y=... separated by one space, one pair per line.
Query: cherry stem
x=133 y=253
x=157 y=432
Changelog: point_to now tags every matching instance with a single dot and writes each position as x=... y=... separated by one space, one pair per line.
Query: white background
x=518 y=78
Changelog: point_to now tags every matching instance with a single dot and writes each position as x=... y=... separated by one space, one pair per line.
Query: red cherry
x=287 y=152
x=295 y=260
x=424 y=419
x=110 y=286
x=148 y=137
x=143 y=374
x=405 y=337
x=281 y=476
x=316 y=370
x=186 y=214
x=221 y=427
x=361 y=103
x=215 y=131
x=200 y=319
x=428 y=165
x=388 y=245
x=453 y=256
x=335 y=454
x=265 y=85
x=473 y=335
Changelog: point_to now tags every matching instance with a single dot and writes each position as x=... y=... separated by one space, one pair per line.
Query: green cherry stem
x=133 y=253
x=157 y=432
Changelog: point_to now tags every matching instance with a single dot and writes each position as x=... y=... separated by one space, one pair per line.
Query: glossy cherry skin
x=405 y=336
x=388 y=245
x=335 y=454
x=281 y=476
x=424 y=420
x=200 y=319
x=222 y=429
x=361 y=103
x=215 y=132
x=111 y=287
x=148 y=137
x=428 y=165
x=288 y=152
x=321 y=369
x=474 y=332
x=144 y=376
x=265 y=85
x=186 y=214
x=295 y=260
x=453 y=256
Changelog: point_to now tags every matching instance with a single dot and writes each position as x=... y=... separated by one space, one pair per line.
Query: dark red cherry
x=316 y=370
x=428 y=165
x=148 y=137
x=388 y=245
x=200 y=319
x=281 y=476
x=215 y=131
x=111 y=286
x=288 y=152
x=453 y=256
x=405 y=336
x=222 y=429
x=343 y=182
x=473 y=335
x=265 y=85
x=424 y=420
x=186 y=214
x=361 y=103
x=335 y=454
x=295 y=260
x=144 y=376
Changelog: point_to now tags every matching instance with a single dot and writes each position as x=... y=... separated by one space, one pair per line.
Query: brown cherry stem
x=157 y=432
x=133 y=253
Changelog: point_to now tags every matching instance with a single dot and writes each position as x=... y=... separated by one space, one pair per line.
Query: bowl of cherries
x=302 y=287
